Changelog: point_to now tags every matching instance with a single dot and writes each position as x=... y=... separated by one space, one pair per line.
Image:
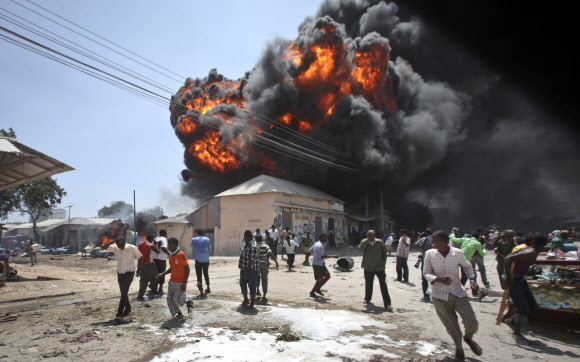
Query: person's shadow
x=172 y=324
x=375 y=309
x=537 y=346
x=247 y=311
x=321 y=300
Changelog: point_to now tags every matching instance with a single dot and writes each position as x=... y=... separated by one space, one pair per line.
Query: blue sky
x=116 y=141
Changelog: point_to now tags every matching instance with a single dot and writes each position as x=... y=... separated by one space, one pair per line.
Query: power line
x=152 y=97
x=94 y=41
x=108 y=41
x=259 y=117
x=76 y=67
x=39 y=33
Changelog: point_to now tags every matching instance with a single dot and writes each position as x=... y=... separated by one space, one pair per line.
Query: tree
x=117 y=210
x=35 y=198
x=156 y=211
x=8 y=202
x=8 y=199
x=10 y=133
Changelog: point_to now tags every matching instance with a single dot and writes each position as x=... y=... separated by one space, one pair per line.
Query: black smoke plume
x=437 y=125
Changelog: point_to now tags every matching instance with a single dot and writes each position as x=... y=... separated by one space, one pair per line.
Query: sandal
x=475 y=348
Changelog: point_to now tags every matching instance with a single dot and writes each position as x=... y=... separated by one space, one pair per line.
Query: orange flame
x=324 y=72
x=187 y=126
x=210 y=152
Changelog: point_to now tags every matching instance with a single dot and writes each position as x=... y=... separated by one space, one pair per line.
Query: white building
x=264 y=201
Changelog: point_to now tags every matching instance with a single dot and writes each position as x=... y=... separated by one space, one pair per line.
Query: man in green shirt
x=373 y=262
x=470 y=247
x=558 y=241
x=503 y=244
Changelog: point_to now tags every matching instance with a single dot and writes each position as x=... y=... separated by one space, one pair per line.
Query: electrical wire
x=259 y=117
x=284 y=149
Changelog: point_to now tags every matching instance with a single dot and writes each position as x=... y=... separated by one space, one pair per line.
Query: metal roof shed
x=20 y=164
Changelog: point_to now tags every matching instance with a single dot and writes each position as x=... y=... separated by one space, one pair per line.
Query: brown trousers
x=446 y=312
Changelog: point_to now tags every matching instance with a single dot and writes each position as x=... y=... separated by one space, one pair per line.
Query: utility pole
x=134 y=217
x=68 y=228
x=382 y=212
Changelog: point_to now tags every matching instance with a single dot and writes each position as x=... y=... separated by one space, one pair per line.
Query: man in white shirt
x=275 y=235
x=389 y=243
x=321 y=273
x=126 y=254
x=160 y=259
x=441 y=269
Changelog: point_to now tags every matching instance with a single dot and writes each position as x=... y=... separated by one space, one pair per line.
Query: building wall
x=182 y=231
x=249 y=212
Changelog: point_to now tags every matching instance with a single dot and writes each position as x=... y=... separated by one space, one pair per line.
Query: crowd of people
x=447 y=262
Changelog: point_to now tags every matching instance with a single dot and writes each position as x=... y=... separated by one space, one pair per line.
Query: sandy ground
x=83 y=297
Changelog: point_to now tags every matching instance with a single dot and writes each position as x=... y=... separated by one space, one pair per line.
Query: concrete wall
x=182 y=231
x=249 y=212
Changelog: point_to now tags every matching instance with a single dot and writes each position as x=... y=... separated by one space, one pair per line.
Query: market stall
x=557 y=291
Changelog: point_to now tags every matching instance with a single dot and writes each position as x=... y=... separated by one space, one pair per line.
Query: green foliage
x=8 y=202
x=10 y=133
x=117 y=210
x=32 y=198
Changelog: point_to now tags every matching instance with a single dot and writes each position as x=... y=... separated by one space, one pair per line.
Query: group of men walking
x=445 y=270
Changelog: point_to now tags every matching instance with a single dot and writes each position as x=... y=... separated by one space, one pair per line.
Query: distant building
x=263 y=201
x=79 y=233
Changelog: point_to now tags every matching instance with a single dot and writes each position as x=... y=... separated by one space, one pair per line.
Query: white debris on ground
x=325 y=335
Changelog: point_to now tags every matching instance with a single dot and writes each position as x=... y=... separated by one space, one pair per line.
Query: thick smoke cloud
x=409 y=108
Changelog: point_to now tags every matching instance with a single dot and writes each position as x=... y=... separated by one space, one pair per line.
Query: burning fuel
x=340 y=90
x=362 y=87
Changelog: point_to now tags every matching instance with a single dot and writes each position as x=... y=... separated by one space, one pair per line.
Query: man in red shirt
x=177 y=286
x=145 y=267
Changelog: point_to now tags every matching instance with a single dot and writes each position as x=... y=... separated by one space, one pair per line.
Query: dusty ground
x=84 y=295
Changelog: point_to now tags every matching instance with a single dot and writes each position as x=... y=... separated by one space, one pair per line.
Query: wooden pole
x=504 y=300
x=134 y=217
x=382 y=213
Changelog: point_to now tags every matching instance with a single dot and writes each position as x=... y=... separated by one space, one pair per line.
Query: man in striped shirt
x=248 y=265
x=441 y=269
x=264 y=252
x=403 y=256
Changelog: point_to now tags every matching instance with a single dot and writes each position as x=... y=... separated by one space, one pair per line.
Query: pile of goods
x=559 y=289
x=555 y=297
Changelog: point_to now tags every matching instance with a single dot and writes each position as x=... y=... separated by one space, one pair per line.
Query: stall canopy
x=20 y=164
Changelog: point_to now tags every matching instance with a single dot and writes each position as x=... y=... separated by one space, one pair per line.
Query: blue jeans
x=251 y=281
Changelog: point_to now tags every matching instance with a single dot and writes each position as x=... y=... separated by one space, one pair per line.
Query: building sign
x=291 y=209
x=254 y=220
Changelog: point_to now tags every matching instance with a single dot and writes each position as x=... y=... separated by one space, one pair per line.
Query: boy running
x=179 y=269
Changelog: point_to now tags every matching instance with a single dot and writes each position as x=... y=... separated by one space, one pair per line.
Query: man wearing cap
x=503 y=244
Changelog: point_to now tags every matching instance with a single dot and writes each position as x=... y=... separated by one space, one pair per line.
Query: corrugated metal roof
x=173 y=220
x=28 y=225
x=20 y=164
x=264 y=183
x=81 y=221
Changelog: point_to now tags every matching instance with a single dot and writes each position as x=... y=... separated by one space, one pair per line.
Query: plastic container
x=4 y=254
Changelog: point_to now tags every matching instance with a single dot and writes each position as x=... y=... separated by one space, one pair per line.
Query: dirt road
x=78 y=298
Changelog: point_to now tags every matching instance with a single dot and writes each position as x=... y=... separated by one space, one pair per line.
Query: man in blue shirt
x=201 y=247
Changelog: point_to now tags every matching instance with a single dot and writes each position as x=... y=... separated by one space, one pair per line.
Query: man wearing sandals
x=441 y=269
